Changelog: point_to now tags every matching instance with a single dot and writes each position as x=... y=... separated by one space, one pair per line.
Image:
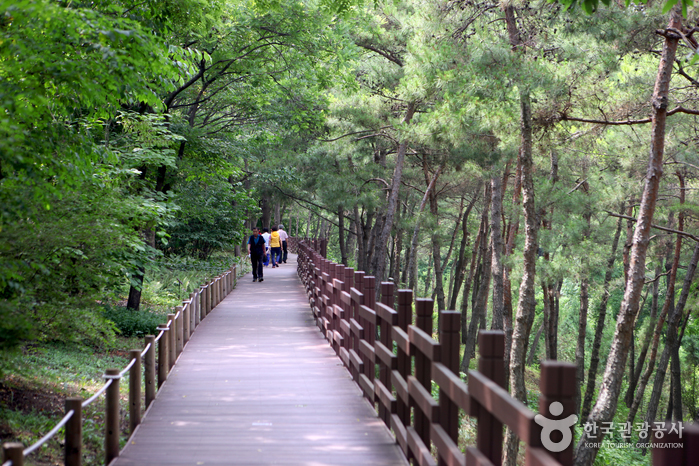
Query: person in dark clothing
x=256 y=253
x=284 y=237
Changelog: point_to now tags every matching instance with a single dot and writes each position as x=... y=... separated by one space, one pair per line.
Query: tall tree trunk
x=392 y=203
x=535 y=345
x=498 y=269
x=395 y=272
x=266 y=212
x=526 y=307
x=412 y=255
x=460 y=268
x=467 y=286
x=599 y=328
x=341 y=234
x=673 y=322
x=436 y=244
x=646 y=339
x=479 y=308
x=428 y=276
x=605 y=407
x=277 y=214
x=509 y=249
x=481 y=283
x=582 y=317
x=655 y=343
x=445 y=262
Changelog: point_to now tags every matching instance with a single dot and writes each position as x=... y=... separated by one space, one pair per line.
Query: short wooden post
x=209 y=297
x=135 y=390
x=111 y=417
x=202 y=302
x=149 y=370
x=491 y=349
x=13 y=451
x=405 y=318
x=179 y=327
x=557 y=385
x=450 y=342
x=163 y=356
x=423 y=366
x=73 y=449
x=172 y=343
x=187 y=309
x=193 y=313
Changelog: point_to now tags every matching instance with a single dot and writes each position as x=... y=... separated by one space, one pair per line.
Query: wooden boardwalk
x=258 y=384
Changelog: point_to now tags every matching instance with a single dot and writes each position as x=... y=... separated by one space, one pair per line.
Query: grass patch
x=32 y=395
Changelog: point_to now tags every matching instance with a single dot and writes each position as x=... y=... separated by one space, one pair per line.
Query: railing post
x=13 y=451
x=491 y=348
x=194 y=313
x=557 y=385
x=111 y=418
x=187 y=309
x=369 y=328
x=209 y=297
x=449 y=341
x=385 y=338
x=172 y=343
x=163 y=356
x=135 y=391
x=179 y=328
x=73 y=450
x=405 y=318
x=348 y=284
x=202 y=302
x=149 y=370
x=423 y=366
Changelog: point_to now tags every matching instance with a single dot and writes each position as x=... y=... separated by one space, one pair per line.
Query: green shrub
x=134 y=323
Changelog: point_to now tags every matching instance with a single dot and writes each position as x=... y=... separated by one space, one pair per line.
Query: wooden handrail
x=435 y=423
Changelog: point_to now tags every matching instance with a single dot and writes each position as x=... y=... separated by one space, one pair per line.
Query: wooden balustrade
x=173 y=337
x=409 y=361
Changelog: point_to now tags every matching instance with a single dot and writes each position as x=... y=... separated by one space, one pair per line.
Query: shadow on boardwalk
x=258 y=384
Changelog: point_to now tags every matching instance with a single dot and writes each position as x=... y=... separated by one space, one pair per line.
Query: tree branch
x=689 y=111
x=657 y=227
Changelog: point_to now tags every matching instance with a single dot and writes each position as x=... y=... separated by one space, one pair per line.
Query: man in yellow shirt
x=275 y=244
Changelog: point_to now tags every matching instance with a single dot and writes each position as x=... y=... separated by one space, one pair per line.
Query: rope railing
x=28 y=451
x=90 y=400
x=178 y=330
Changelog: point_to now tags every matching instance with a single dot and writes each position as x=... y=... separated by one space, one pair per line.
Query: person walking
x=256 y=253
x=276 y=246
x=283 y=237
x=266 y=236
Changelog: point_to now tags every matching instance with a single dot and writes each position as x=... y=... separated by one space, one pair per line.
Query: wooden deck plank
x=257 y=384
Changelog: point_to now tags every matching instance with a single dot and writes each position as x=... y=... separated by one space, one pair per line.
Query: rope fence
x=177 y=331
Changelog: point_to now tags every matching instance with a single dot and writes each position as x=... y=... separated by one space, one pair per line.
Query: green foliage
x=131 y=323
x=210 y=217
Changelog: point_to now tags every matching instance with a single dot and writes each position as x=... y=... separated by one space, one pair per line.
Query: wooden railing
x=171 y=339
x=397 y=363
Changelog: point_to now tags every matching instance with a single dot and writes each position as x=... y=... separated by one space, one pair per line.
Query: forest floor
x=42 y=376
